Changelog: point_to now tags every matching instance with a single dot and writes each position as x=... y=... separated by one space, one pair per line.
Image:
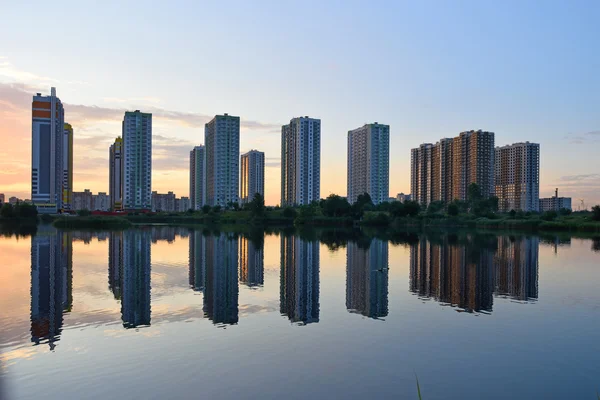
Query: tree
x=453 y=209
x=335 y=206
x=474 y=193
x=257 y=205
x=412 y=208
x=549 y=215
x=7 y=211
x=565 y=211
x=512 y=213
x=596 y=213
x=84 y=213
x=24 y=210
x=289 y=212
x=206 y=209
x=435 y=206
x=397 y=209
x=216 y=209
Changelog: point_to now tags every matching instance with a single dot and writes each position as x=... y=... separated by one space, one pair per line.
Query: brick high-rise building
x=444 y=171
x=517 y=177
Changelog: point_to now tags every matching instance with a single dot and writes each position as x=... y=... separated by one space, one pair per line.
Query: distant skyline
x=526 y=71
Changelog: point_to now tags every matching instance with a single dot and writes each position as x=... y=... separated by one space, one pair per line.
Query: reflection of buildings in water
x=51 y=284
x=221 y=282
x=367 y=279
x=115 y=263
x=458 y=275
x=516 y=268
x=468 y=275
x=299 y=289
x=163 y=233
x=135 y=281
x=251 y=263
x=197 y=267
x=168 y=233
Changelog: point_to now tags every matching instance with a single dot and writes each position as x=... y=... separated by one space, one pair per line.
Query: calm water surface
x=174 y=313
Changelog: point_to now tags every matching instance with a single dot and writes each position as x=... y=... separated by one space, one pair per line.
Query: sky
x=528 y=71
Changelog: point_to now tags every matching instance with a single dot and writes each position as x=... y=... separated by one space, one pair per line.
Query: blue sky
x=524 y=70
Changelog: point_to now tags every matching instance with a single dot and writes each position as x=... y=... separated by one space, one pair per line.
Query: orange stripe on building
x=41 y=104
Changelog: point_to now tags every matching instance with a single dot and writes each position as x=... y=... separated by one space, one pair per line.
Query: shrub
x=84 y=213
x=289 y=212
x=549 y=215
x=453 y=209
x=596 y=213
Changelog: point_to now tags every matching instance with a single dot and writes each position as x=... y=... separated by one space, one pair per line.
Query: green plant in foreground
x=419 y=388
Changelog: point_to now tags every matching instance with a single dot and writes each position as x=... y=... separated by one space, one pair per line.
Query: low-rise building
x=163 y=202
x=183 y=204
x=401 y=197
x=101 y=202
x=555 y=203
x=83 y=200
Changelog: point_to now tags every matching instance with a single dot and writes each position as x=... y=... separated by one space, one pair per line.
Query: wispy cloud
x=18 y=95
x=10 y=72
x=583 y=138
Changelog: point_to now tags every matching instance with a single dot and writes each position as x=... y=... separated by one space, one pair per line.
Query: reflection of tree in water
x=596 y=244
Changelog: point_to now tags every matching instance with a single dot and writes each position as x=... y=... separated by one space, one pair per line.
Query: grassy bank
x=531 y=223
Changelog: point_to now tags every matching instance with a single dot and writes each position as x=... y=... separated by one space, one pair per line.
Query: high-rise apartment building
x=47 y=139
x=137 y=160
x=444 y=171
x=197 y=168
x=517 y=177
x=67 y=196
x=473 y=162
x=369 y=162
x=252 y=178
x=222 y=147
x=420 y=173
x=116 y=170
x=301 y=161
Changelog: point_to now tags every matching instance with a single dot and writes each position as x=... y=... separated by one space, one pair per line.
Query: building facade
x=301 y=161
x=517 y=177
x=67 y=167
x=100 y=202
x=555 y=203
x=137 y=161
x=444 y=171
x=369 y=162
x=401 y=197
x=252 y=177
x=163 y=202
x=222 y=147
x=47 y=139
x=473 y=162
x=83 y=200
x=2 y=198
x=183 y=204
x=197 y=177
x=115 y=189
